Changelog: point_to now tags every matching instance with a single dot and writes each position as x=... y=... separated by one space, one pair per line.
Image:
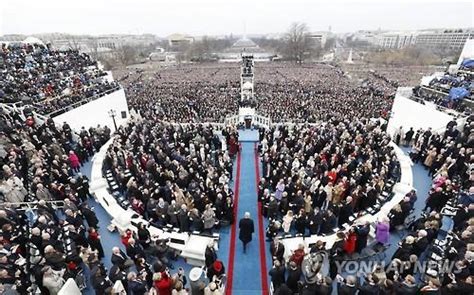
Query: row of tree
x=296 y=45
x=411 y=56
x=202 y=50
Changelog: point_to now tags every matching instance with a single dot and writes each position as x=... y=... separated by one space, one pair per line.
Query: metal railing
x=215 y=126
x=263 y=121
x=29 y=205
x=256 y=119
x=232 y=120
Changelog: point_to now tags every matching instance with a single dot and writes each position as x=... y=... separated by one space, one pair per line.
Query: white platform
x=95 y=112
x=400 y=189
x=409 y=113
x=191 y=247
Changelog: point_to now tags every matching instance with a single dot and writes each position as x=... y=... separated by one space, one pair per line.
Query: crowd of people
x=315 y=178
x=186 y=94
x=407 y=76
x=47 y=225
x=303 y=194
x=314 y=93
x=178 y=177
x=48 y=79
x=49 y=232
x=284 y=92
x=57 y=106
x=447 y=91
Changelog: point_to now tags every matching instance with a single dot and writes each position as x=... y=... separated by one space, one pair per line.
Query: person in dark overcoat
x=362 y=236
x=277 y=250
x=246 y=230
x=210 y=255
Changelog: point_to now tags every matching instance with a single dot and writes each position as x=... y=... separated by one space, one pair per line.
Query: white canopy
x=33 y=40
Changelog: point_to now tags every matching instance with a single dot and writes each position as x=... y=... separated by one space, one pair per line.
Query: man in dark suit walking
x=246 y=230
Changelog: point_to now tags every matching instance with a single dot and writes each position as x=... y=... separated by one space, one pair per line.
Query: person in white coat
x=287 y=220
x=52 y=281
x=13 y=189
x=212 y=289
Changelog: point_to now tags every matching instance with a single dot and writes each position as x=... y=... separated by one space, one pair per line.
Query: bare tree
x=199 y=50
x=126 y=54
x=270 y=44
x=404 y=57
x=73 y=43
x=109 y=62
x=93 y=46
x=298 y=45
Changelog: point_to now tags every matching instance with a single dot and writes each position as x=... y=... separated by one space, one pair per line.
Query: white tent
x=33 y=40
x=467 y=51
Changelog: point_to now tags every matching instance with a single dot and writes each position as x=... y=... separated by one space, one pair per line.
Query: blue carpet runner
x=247 y=272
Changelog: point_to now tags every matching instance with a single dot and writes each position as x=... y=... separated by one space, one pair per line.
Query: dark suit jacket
x=368 y=289
x=404 y=289
x=210 y=256
x=329 y=224
x=343 y=289
x=279 y=253
x=117 y=260
x=137 y=287
x=277 y=276
x=135 y=251
x=246 y=230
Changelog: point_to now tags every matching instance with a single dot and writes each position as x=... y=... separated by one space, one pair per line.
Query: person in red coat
x=162 y=282
x=298 y=255
x=233 y=146
x=94 y=241
x=332 y=176
x=350 y=242
x=217 y=269
x=30 y=121
x=125 y=237
x=74 y=161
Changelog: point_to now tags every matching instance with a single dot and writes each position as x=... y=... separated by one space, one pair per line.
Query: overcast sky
x=214 y=17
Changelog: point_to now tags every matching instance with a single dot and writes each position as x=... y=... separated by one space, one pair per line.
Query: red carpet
x=230 y=265
x=261 y=232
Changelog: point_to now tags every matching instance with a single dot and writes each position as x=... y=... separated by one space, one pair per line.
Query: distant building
x=247 y=46
x=442 y=38
x=449 y=39
x=244 y=45
x=364 y=36
x=180 y=39
x=319 y=38
x=12 y=38
x=100 y=45
x=396 y=40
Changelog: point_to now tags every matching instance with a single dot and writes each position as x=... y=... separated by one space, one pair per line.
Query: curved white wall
x=190 y=246
x=400 y=189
